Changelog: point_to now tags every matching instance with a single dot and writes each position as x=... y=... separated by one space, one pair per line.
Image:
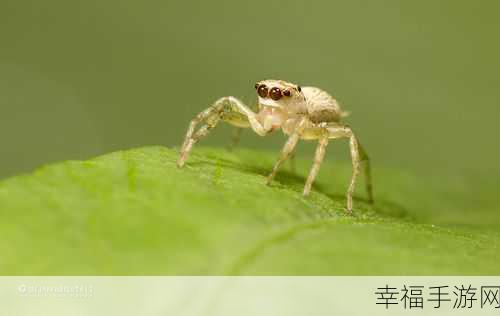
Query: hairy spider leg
x=358 y=155
x=230 y=110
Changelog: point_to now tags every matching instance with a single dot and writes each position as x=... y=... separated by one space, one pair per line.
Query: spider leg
x=358 y=155
x=288 y=148
x=229 y=109
x=236 y=135
x=318 y=159
x=368 y=173
x=285 y=153
x=191 y=140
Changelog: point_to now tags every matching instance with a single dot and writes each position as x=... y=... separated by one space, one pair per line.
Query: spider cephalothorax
x=301 y=112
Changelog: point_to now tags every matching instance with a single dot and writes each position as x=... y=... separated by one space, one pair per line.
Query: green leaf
x=135 y=213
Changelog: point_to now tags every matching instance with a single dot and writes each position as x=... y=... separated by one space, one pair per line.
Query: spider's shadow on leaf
x=296 y=182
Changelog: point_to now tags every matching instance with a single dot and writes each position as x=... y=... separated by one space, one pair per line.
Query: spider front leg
x=229 y=109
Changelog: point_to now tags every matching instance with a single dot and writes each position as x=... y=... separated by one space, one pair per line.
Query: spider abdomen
x=321 y=106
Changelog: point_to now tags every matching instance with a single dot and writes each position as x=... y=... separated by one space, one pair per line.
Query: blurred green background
x=81 y=78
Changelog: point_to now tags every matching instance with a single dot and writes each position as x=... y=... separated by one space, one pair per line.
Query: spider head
x=280 y=94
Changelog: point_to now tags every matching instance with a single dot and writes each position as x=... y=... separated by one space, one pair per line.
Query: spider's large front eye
x=262 y=91
x=275 y=94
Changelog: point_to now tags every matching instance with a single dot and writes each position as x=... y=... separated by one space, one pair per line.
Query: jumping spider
x=307 y=113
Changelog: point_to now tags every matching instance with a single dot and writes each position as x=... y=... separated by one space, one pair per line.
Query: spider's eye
x=256 y=86
x=299 y=88
x=262 y=91
x=287 y=93
x=275 y=94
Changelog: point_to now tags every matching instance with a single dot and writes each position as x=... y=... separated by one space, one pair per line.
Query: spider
x=306 y=113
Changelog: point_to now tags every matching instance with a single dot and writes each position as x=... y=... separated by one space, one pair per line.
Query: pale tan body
x=308 y=113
